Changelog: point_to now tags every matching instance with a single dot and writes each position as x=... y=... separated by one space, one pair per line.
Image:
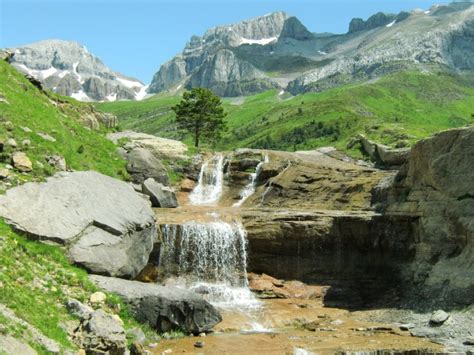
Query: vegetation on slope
x=397 y=110
x=24 y=107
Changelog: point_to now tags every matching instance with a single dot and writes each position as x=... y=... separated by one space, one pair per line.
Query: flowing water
x=249 y=190
x=211 y=178
x=209 y=257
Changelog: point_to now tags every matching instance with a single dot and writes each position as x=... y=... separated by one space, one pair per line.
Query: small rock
x=202 y=335
x=26 y=129
x=167 y=351
x=22 y=162
x=469 y=341
x=9 y=126
x=8 y=166
x=97 y=297
x=81 y=352
x=78 y=309
x=57 y=161
x=199 y=344
x=406 y=327
x=187 y=185
x=12 y=143
x=152 y=345
x=46 y=137
x=26 y=143
x=4 y=173
x=439 y=317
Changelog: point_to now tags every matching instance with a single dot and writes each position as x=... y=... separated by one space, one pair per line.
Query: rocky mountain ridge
x=278 y=51
x=69 y=69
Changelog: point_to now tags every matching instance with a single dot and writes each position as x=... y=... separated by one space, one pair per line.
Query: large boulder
x=436 y=187
x=162 y=148
x=382 y=154
x=163 y=308
x=142 y=164
x=107 y=227
x=160 y=195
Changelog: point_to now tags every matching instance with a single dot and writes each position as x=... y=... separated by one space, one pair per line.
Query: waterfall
x=209 y=258
x=211 y=177
x=249 y=189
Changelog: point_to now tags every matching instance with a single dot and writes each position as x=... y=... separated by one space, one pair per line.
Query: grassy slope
x=399 y=107
x=29 y=107
x=36 y=279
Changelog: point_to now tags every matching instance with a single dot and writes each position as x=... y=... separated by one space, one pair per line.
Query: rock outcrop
x=435 y=187
x=69 y=69
x=163 y=308
x=276 y=50
x=107 y=228
x=383 y=155
x=160 y=195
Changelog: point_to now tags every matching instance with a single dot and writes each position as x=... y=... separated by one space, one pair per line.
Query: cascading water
x=209 y=258
x=249 y=189
x=209 y=187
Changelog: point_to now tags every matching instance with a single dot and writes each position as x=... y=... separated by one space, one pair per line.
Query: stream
x=204 y=249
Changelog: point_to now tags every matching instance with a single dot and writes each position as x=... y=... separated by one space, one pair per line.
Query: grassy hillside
x=26 y=111
x=397 y=109
x=37 y=279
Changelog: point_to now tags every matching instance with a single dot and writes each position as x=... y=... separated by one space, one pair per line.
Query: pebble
x=202 y=334
x=439 y=317
x=199 y=344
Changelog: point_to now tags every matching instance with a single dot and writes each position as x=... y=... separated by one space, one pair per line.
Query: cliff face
x=277 y=50
x=435 y=187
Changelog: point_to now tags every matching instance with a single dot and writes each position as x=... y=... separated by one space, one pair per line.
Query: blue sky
x=136 y=37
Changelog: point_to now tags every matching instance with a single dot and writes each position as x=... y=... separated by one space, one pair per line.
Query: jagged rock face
x=211 y=60
x=69 y=69
x=435 y=186
x=278 y=51
x=419 y=41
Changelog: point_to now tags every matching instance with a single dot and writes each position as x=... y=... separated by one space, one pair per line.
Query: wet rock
x=268 y=287
x=439 y=317
x=160 y=195
x=187 y=185
x=21 y=162
x=163 y=308
x=107 y=227
x=199 y=344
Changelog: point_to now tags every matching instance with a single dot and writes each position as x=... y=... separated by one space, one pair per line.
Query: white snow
x=46 y=73
x=272 y=52
x=25 y=69
x=179 y=86
x=322 y=52
x=74 y=68
x=261 y=42
x=81 y=96
x=427 y=12
x=281 y=92
x=129 y=83
x=63 y=74
x=142 y=93
x=112 y=97
x=391 y=23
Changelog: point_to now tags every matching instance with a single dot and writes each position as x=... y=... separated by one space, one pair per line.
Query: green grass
x=37 y=280
x=29 y=107
x=399 y=108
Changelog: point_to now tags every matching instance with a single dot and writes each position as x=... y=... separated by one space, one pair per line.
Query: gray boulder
x=106 y=226
x=439 y=317
x=383 y=154
x=163 y=308
x=102 y=333
x=160 y=195
x=142 y=164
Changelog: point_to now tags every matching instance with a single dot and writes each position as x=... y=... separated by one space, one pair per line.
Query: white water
x=209 y=188
x=249 y=189
x=210 y=259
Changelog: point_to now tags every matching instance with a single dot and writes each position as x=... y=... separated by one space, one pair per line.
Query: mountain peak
x=69 y=69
